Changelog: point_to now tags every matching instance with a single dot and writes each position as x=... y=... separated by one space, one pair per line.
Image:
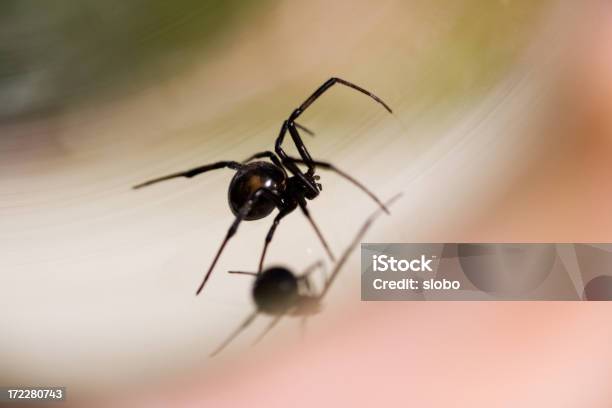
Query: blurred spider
x=258 y=187
x=277 y=291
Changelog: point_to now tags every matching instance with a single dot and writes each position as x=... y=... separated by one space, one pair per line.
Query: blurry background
x=98 y=280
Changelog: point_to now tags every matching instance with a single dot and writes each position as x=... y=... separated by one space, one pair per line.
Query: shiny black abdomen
x=251 y=178
x=275 y=291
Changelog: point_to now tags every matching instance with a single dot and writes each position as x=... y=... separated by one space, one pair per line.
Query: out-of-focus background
x=499 y=133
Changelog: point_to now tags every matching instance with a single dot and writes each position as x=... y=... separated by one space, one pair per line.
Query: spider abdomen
x=250 y=178
x=275 y=290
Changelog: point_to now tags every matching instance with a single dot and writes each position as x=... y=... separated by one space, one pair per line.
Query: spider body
x=258 y=187
x=275 y=290
x=250 y=178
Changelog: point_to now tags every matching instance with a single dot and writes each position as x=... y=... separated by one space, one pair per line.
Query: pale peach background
x=100 y=289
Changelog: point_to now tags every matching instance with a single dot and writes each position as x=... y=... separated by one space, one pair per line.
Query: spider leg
x=328 y=84
x=273 y=323
x=304 y=129
x=242 y=273
x=193 y=172
x=305 y=276
x=347 y=252
x=282 y=213
x=312 y=268
x=236 y=332
x=310 y=291
x=266 y=154
x=244 y=210
x=301 y=147
x=290 y=125
x=306 y=213
x=290 y=165
x=331 y=167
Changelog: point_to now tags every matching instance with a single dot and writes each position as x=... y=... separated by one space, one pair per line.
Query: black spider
x=258 y=187
x=278 y=292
